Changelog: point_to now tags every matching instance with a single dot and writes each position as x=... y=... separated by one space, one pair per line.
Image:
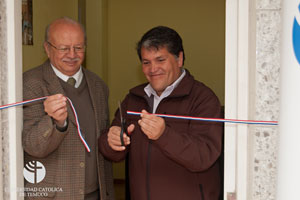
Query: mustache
x=70 y=59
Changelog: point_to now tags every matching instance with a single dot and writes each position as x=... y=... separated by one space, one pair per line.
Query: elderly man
x=168 y=158
x=50 y=136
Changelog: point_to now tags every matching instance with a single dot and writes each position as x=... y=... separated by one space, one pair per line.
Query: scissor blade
x=122 y=127
x=120 y=112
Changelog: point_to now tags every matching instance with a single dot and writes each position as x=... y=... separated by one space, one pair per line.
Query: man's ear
x=180 y=59
x=46 y=47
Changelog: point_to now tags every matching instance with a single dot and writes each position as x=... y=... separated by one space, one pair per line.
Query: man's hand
x=56 y=107
x=113 y=137
x=153 y=126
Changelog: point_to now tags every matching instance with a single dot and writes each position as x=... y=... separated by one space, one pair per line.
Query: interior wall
x=43 y=13
x=200 y=23
x=96 y=29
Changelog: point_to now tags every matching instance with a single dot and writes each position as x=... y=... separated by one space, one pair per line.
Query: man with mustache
x=168 y=158
x=50 y=134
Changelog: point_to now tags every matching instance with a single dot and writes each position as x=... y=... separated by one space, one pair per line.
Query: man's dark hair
x=161 y=36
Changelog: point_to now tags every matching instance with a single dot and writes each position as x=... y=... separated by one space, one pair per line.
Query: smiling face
x=160 y=67
x=65 y=35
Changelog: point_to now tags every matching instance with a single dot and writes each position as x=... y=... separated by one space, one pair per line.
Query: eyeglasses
x=77 y=49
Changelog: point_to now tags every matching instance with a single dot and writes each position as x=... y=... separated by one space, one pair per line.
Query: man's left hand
x=152 y=126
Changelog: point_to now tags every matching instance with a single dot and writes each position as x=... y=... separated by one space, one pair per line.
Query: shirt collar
x=77 y=76
x=149 y=90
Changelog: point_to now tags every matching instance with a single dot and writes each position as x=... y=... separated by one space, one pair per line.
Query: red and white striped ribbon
x=211 y=119
x=42 y=98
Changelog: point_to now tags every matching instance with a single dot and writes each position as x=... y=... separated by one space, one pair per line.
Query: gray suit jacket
x=62 y=153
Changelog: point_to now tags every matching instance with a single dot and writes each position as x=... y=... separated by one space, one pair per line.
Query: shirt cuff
x=63 y=128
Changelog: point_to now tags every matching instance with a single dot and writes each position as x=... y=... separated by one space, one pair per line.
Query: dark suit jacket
x=62 y=153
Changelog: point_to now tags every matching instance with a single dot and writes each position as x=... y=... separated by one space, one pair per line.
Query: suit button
x=81 y=164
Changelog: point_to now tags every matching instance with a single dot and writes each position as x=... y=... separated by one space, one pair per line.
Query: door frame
x=239 y=57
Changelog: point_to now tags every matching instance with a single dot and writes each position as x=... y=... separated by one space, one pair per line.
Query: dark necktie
x=71 y=81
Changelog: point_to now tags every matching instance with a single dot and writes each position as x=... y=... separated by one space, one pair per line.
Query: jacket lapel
x=94 y=96
x=54 y=87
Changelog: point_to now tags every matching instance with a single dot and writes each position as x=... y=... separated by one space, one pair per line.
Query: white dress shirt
x=77 y=76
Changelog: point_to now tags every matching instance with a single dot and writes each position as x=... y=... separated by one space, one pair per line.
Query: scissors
x=123 y=126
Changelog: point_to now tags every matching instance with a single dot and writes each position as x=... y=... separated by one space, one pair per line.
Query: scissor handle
x=123 y=131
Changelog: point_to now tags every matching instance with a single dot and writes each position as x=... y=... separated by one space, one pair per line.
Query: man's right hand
x=113 y=137
x=56 y=107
